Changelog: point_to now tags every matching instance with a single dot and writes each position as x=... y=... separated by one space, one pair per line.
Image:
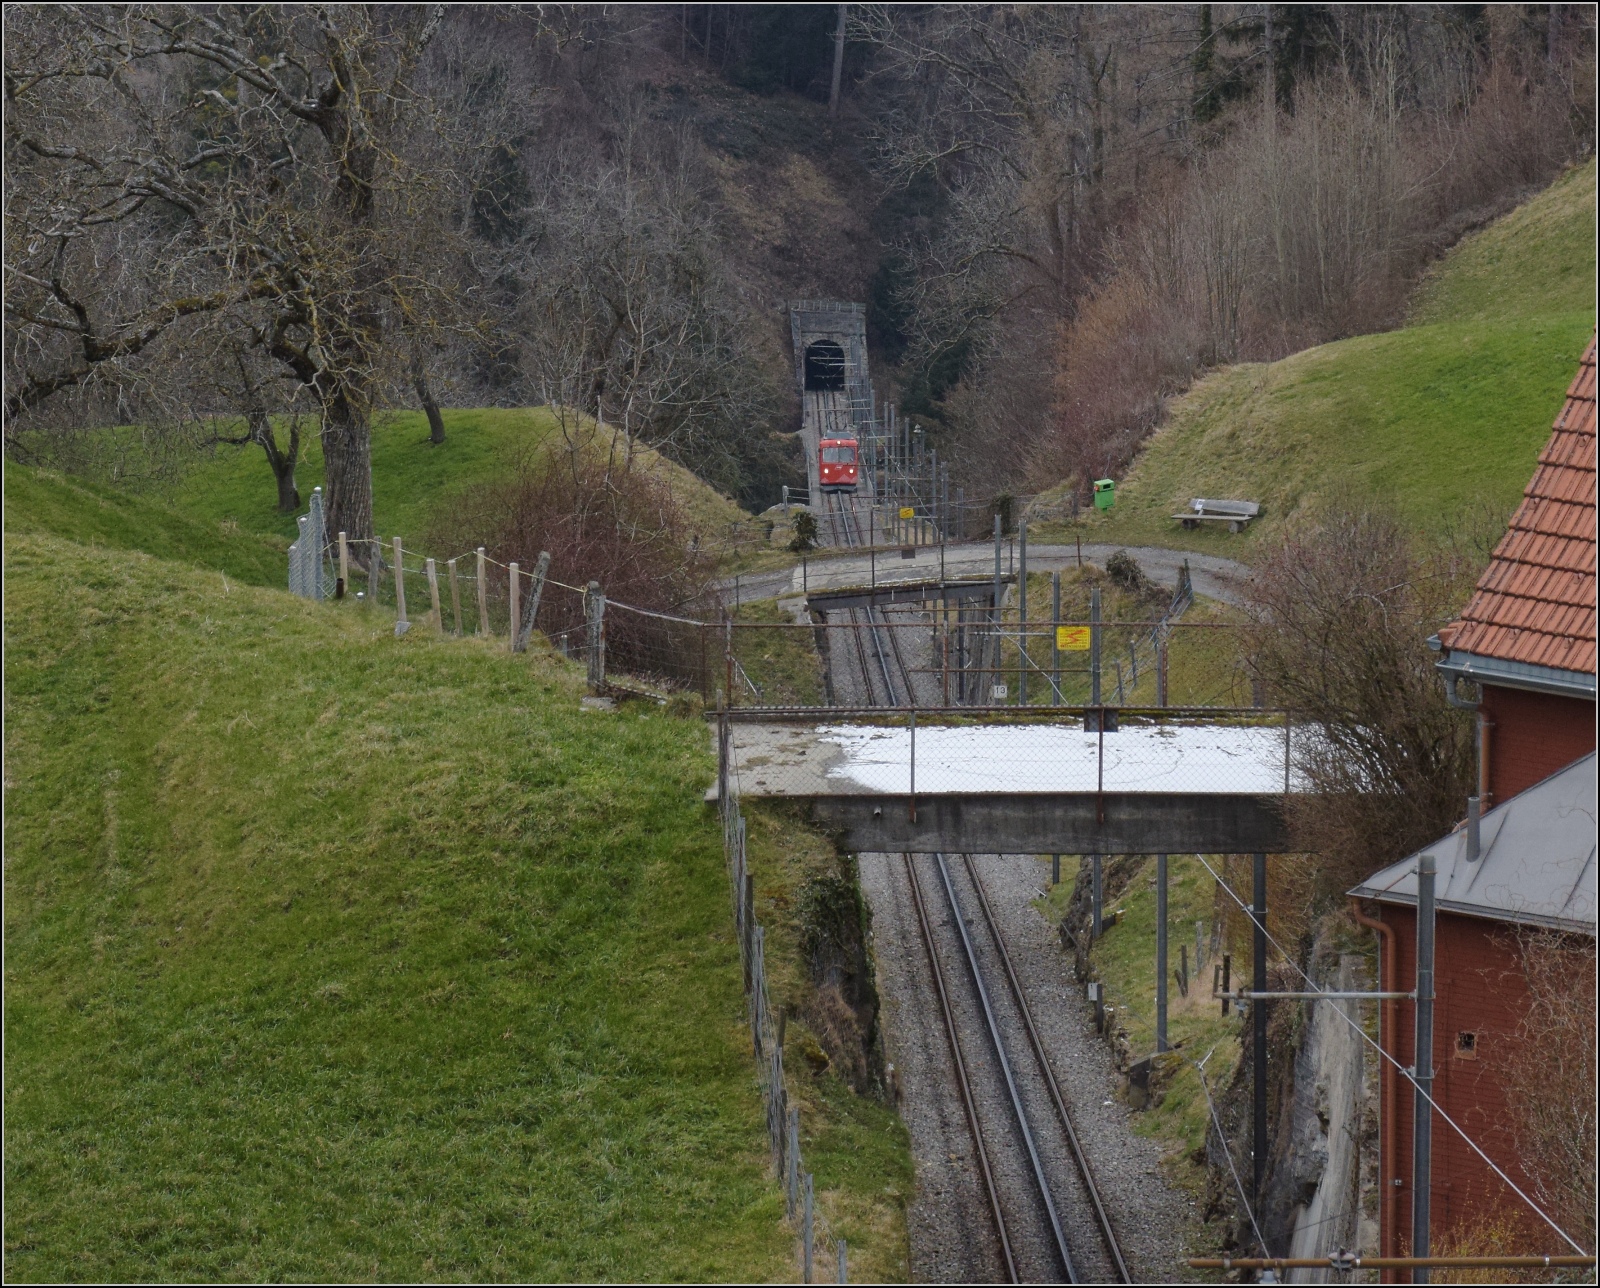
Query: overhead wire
x=1400 y=1068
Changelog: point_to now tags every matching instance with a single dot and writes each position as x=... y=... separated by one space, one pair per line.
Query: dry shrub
x=1550 y=1081
x=1501 y=1235
x=601 y=521
x=1297 y=229
x=1339 y=615
x=1126 y=352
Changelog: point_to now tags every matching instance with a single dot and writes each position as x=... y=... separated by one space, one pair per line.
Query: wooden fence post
x=483 y=594
x=433 y=596
x=344 y=567
x=400 y=585
x=540 y=570
x=516 y=597
x=597 y=639
x=455 y=596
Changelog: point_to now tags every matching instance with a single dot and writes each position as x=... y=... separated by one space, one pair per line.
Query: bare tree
x=1550 y=1077
x=254 y=161
x=625 y=311
x=1339 y=615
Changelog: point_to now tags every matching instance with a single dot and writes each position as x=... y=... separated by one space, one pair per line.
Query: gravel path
x=951 y=1231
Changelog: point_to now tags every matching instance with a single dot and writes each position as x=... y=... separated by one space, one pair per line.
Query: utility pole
x=1022 y=617
x=1258 y=1022
x=997 y=610
x=838 y=63
x=1422 y=1109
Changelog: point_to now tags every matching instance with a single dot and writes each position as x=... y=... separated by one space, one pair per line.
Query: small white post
x=483 y=594
x=399 y=582
x=516 y=605
x=433 y=596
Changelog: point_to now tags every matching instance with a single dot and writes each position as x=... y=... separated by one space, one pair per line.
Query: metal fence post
x=1161 y=952
x=1094 y=652
x=996 y=574
x=294 y=565
x=807 y=1220
x=722 y=761
x=455 y=596
x=792 y=1161
x=1096 y=910
x=1022 y=615
x=748 y=926
x=844 y=1269
x=375 y=571
x=1055 y=633
x=344 y=568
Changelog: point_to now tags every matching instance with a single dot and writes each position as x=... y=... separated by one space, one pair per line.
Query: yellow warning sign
x=907 y=512
x=1072 y=639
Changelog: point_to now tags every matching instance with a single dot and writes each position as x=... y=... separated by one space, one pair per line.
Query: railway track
x=1048 y=1218
x=885 y=678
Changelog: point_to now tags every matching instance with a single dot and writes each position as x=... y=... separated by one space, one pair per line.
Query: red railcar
x=837 y=465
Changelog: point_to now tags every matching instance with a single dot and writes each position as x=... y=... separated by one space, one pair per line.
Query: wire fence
x=933 y=656
x=947 y=652
x=783 y=1118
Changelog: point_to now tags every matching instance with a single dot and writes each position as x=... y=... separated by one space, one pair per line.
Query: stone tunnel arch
x=824 y=366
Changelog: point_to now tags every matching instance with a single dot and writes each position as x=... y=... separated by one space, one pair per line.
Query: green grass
x=857 y=1148
x=1433 y=421
x=412 y=477
x=336 y=956
x=781 y=660
x=1205 y=665
x=90 y=514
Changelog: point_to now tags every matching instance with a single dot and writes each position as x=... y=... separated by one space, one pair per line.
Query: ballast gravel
x=949 y=1225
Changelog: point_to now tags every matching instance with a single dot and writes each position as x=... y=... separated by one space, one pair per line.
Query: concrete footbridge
x=1003 y=782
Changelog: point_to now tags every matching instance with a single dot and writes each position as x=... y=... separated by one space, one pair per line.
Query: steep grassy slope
x=331 y=955
x=1439 y=418
x=42 y=501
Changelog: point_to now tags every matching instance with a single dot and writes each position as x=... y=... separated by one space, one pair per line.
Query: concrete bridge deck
x=1151 y=787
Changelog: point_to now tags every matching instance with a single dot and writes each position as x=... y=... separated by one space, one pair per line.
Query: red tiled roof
x=1536 y=601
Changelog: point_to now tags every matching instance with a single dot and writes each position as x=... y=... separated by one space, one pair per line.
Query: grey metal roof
x=1537 y=865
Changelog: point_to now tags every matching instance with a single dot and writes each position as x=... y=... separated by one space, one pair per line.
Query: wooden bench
x=1236 y=514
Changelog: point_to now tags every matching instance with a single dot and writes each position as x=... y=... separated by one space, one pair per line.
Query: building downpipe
x=1386 y=1119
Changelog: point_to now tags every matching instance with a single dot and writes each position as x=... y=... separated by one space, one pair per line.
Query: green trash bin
x=1105 y=493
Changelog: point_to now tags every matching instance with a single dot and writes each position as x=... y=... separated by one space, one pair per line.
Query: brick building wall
x=1480 y=991
x=1534 y=735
